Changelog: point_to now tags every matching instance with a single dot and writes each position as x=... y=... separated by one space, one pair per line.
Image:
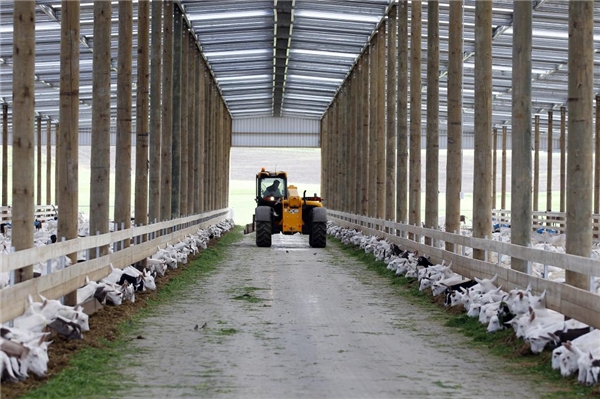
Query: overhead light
x=324 y=53
x=229 y=15
x=236 y=52
x=337 y=16
x=303 y=77
x=242 y=78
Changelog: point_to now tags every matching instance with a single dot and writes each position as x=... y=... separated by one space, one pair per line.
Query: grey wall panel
x=276 y=125
x=247 y=139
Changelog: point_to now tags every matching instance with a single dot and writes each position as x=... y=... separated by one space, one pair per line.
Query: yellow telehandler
x=280 y=209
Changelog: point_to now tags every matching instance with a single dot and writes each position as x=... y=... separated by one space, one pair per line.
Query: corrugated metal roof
x=289 y=57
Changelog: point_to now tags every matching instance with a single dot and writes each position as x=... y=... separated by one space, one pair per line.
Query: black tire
x=318 y=235
x=263 y=234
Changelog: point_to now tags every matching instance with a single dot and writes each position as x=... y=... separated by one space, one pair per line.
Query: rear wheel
x=318 y=235
x=263 y=234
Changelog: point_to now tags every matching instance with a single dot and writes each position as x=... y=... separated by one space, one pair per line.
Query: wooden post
x=414 y=196
x=536 y=163
x=5 y=154
x=155 y=113
x=563 y=158
x=433 y=118
x=68 y=155
x=49 y=162
x=503 y=182
x=167 y=115
x=494 y=165
x=380 y=121
x=549 y=175
x=579 y=164
x=191 y=119
x=184 y=124
x=199 y=148
x=390 y=156
x=455 y=82
x=597 y=159
x=521 y=131
x=57 y=151
x=100 y=158
x=374 y=136
x=482 y=187
x=352 y=179
x=124 y=107
x=177 y=100
x=141 y=117
x=23 y=131
x=39 y=161
x=195 y=145
x=365 y=132
x=402 y=124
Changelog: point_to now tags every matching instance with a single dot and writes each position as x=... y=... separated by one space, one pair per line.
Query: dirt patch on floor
x=103 y=327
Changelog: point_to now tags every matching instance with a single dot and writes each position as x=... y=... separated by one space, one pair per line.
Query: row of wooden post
x=183 y=128
x=356 y=142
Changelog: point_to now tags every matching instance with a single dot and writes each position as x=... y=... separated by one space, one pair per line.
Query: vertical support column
x=433 y=118
x=380 y=120
x=191 y=120
x=503 y=182
x=520 y=207
x=353 y=142
x=195 y=145
x=374 y=136
x=185 y=65
x=5 y=154
x=69 y=128
x=579 y=164
x=200 y=120
x=167 y=114
x=177 y=99
x=402 y=115
x=549 y=175
x=49 y=161
x=57 y=151
x=563 y=158
x=365 y=132
x=155 y=113
x=482 y=188
x=390 y=156
x=141 y=115
x=357 y=167
x=100 y=157
x=23 y=131
x=414 y=197
x=597 y=159
x=536 y=163
x=123 y=152
x=494 y=165
x=39 y=161
x=455 y=82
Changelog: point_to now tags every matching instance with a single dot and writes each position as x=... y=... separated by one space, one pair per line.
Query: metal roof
x=289 y=57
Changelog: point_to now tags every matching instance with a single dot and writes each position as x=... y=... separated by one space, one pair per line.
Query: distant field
x=303 y=166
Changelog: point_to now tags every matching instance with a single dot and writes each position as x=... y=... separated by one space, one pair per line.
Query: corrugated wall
x=276 y=132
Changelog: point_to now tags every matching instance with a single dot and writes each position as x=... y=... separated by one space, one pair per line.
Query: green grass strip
x=519 y=359
x=91 y=372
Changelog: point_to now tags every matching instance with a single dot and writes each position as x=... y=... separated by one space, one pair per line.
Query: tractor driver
x=273 y=190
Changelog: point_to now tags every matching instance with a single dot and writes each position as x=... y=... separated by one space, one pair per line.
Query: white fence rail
x=13 y=299
x=573 y=302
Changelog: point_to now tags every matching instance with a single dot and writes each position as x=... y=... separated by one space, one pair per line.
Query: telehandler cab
x=281 y=210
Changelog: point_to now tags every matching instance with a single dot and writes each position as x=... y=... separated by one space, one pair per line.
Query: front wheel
x=263 y=233
x=318 y=235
